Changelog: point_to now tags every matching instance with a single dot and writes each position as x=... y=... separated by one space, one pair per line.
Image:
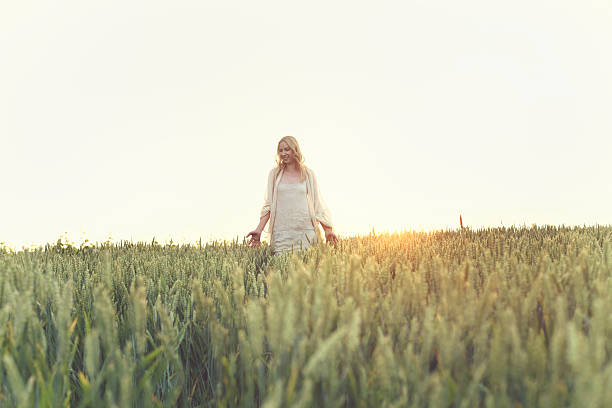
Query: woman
x=292 y=203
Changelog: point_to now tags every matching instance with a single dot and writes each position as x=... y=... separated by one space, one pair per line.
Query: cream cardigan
x=316 y=206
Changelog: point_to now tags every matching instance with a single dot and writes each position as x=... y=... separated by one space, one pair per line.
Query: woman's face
x=286 y=154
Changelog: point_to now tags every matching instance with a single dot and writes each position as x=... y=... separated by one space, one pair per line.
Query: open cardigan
x=316 y=206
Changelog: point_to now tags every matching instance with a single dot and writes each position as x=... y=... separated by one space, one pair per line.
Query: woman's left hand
x=330 y=237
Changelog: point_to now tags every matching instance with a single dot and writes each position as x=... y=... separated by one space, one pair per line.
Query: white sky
x=135 y=119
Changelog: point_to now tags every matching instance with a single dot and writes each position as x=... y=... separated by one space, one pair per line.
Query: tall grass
x=504 y=317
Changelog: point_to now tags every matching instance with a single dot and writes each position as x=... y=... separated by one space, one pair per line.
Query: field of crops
x=505 y=317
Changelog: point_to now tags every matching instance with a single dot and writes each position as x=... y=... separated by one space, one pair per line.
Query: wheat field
x=502 y=317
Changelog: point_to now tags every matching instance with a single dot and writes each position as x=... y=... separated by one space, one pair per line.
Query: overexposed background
x=135 y=119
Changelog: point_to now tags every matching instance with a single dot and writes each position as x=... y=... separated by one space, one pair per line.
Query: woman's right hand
x=255 y=238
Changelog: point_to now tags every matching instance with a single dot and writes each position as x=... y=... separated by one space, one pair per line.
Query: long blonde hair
x=299 y=157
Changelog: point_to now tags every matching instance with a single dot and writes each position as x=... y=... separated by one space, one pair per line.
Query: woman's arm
x=262 y=222
x=322 y=214
x=265 y=211
x=267 y=205
x=256 y=233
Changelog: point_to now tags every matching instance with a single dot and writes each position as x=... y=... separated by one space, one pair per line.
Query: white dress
x=293 y=225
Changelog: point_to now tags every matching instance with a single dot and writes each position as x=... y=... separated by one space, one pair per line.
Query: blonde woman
x=292 y=203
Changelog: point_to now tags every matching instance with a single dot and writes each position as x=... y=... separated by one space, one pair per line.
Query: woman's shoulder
x=309 y=171
x=273 y=171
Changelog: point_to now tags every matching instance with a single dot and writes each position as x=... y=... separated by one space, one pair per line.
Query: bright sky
x=135 y=119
